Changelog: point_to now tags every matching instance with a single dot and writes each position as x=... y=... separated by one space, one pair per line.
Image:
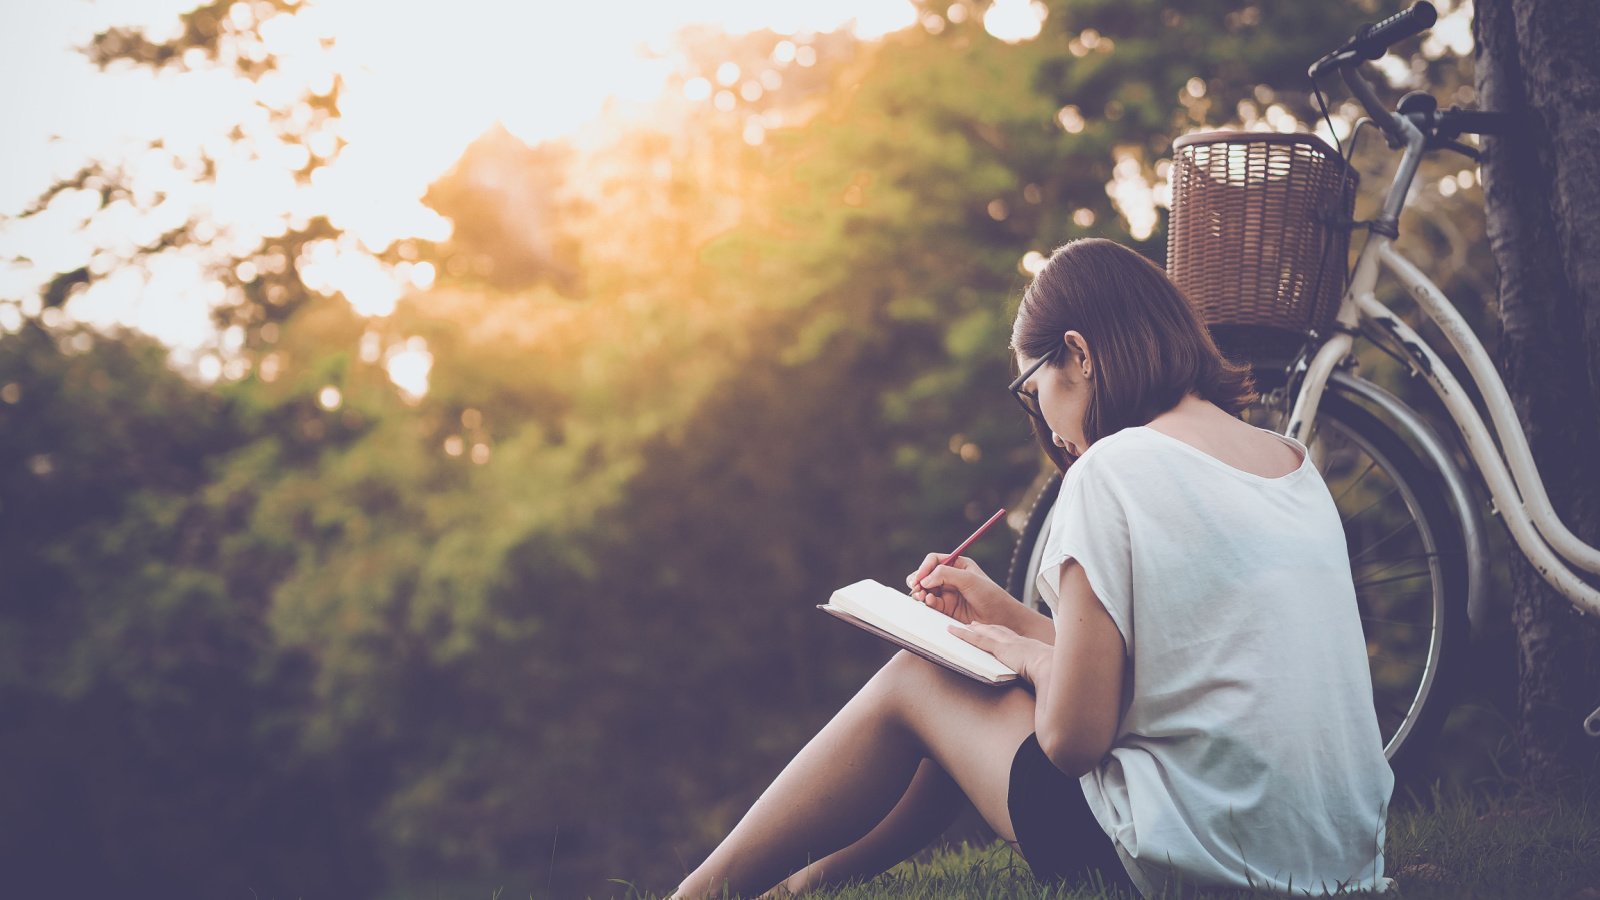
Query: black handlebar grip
x=1452 y=122
x=1375 y=41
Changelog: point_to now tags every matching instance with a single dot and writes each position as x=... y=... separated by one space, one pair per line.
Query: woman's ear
x=1078 y=353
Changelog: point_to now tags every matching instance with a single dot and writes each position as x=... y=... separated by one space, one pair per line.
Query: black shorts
x=1058 y=833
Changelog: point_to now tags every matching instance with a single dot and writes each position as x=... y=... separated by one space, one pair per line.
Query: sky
x=422 y=80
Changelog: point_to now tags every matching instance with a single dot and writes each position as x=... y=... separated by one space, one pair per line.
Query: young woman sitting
x=1197 y=710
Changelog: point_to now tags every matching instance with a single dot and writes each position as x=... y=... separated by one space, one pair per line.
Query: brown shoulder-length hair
x=1149 y=346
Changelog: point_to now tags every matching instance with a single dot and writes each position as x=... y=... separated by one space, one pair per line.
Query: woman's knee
x=904 y=662
x=914 y=686
x=906 y=671
x=904 y=676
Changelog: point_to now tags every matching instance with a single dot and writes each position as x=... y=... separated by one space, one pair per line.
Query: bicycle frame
x=1517 y=492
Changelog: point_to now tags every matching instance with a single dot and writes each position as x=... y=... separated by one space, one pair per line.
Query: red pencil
x=975 y=535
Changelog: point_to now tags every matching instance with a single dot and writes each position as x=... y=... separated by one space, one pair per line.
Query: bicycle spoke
x=1428 y=624
x=1368 y=576
x=1424 y=554
x=1380 y=541
x=1377 y=581
x=1392 y=492
x=1353 y=484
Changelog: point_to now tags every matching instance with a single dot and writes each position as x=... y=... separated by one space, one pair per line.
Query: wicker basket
x=1259 y=236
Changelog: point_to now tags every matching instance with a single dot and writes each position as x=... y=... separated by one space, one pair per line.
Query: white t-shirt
x=1248 y=751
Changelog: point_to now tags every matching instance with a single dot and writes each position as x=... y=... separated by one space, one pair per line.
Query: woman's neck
x=1191 y=411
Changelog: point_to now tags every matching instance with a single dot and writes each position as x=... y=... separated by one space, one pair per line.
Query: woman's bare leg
x=930 y=804
x=846 y=780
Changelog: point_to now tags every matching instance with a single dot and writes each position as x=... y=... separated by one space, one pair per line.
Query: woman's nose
x=1058 y=440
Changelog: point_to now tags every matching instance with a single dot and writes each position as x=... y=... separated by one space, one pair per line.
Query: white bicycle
x=1258 y=238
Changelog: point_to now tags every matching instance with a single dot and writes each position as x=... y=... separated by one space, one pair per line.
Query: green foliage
x=150 y=715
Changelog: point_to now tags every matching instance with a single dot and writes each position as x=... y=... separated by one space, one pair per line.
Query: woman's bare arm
x=1078 y=686
x=1029 y=622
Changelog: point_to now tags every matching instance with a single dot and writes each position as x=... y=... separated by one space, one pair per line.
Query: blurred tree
x=260 y=288
x=152 y=738
x=502 y=196
x=149 y=736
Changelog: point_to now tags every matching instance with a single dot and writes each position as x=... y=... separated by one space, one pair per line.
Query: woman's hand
x=961 y=591
x=1023 y=654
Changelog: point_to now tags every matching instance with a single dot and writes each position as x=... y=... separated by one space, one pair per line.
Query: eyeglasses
x=1029 y=400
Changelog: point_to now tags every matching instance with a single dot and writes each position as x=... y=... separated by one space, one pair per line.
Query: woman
x=1197 y=711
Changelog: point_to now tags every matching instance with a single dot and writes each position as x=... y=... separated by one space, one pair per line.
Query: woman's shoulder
x=1142 y=461
x=1105 y=452
x=1237 y=447
x=1109 y=460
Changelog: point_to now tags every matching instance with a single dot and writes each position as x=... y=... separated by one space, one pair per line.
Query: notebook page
x=895 y=612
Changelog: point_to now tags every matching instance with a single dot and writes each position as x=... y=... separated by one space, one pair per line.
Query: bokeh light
x=413 y=94
x=1015 y=20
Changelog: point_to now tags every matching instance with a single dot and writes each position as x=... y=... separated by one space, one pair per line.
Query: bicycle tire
x=1409 y=735
x=1025 y=552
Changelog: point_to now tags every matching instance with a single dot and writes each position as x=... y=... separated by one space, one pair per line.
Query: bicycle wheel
x=1407 y=560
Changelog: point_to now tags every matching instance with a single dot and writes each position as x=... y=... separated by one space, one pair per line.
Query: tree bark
x=1541 y=180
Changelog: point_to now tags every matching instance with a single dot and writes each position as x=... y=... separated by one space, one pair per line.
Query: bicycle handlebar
x=1373 y=41
x=1452 y=122
x=1369 y=43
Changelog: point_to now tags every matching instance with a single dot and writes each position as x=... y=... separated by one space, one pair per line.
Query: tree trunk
x=1541 y=185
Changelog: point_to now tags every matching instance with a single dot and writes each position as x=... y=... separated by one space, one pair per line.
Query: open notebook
x=900 y=619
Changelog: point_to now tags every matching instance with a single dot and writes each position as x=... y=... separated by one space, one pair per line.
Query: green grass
x=1447 y=845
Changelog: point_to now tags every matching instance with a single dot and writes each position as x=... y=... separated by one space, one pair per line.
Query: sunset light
x=1015 y=20
x=418 y=84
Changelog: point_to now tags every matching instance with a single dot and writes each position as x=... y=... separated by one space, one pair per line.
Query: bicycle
x=1418 y=509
